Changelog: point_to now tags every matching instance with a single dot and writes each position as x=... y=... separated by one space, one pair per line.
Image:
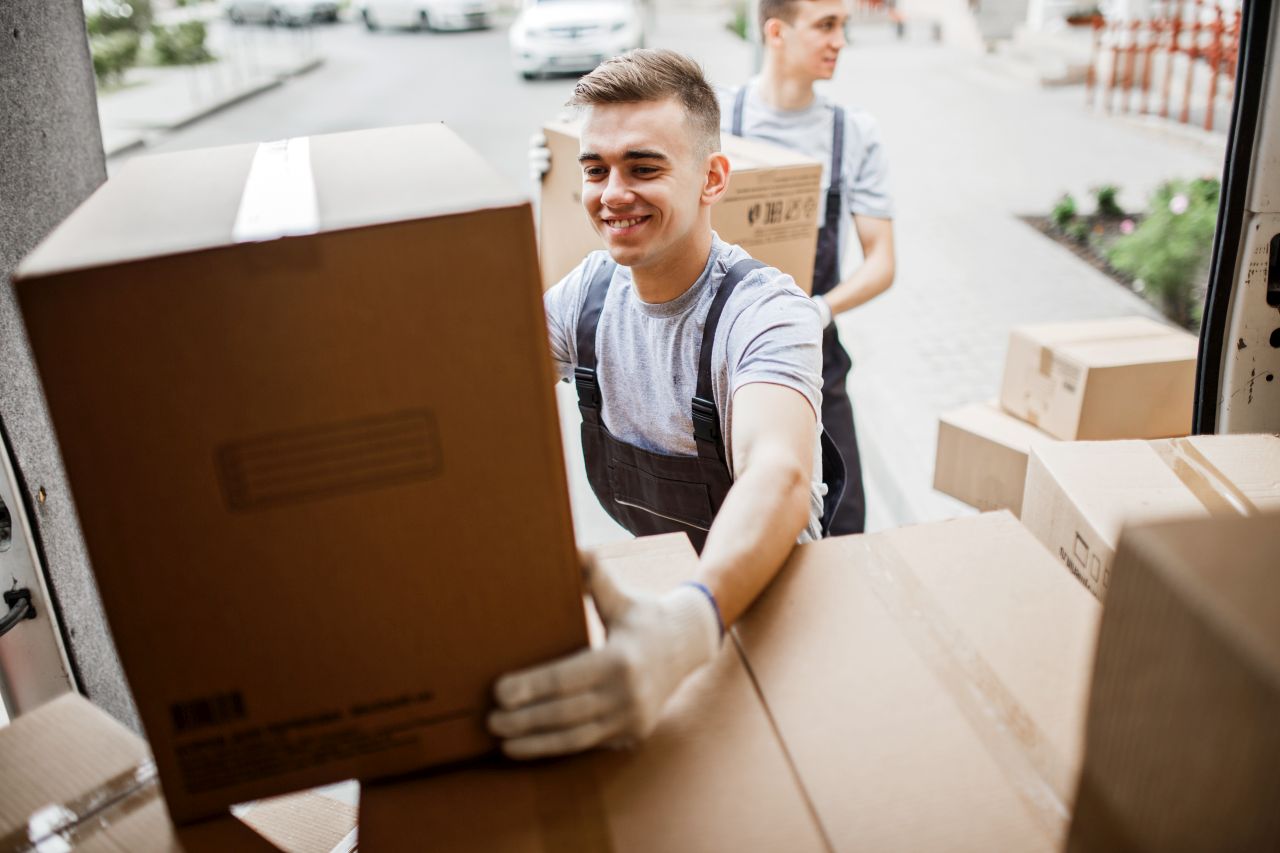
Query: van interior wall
x=51 y=159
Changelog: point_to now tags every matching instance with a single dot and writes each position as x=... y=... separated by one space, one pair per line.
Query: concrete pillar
x=50 y=160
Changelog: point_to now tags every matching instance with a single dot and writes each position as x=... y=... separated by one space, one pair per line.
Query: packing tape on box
x=1009 y=733
x=1211 y=487
x=571 y=813
x=58 y=828
x=279 y=196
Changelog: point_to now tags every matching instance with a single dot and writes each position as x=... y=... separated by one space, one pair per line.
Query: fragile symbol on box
x=1081 y=550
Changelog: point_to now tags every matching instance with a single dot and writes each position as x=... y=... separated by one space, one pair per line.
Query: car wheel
x=369 y=23
x=528 y=75
x=236 y=16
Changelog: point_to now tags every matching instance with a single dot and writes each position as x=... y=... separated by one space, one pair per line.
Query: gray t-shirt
x=647 y=353
x=864 y=171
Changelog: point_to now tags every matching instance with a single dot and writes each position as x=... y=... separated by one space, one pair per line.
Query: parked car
x=288 y=12
x=429 y=14
x=573 y=35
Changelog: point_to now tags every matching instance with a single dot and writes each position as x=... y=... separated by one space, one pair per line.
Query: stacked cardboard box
x=770 y=208
x=289 y=430
x=76 y=779
x=1182 y=747
x=919 y=689
x=1080 y=494
x=1120 y=378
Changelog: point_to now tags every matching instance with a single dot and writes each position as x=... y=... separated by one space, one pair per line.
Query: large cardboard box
x=770 y=209
x=982 y=456
x=290 y=432
x=929 y=684
x=711 y=777
x=1079 y=495
x=1182 y=747
x=1128 y=377
x=73 y=778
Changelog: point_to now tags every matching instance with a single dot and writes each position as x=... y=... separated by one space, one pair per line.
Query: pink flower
x=1126 y=227
x=1178 y=204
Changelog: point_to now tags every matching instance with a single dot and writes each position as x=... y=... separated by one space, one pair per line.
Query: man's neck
x=666 y=281
x=783 y=90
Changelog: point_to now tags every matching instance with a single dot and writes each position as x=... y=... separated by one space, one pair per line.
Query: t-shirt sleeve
x=866 y=173
x=777 y=339
x=563 y=303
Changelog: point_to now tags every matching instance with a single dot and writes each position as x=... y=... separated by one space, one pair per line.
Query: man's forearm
x=753 y=533
x=869 y=280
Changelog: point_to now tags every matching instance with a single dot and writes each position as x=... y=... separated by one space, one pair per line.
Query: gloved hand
x=613 y=694
x=539 y=157
x=824 y=310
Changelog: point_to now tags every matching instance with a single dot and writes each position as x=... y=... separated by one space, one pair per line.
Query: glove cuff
x=697 y=618
x=824 y=310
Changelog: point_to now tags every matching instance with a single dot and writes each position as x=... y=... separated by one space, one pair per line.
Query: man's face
x=642 y=180
x=813 y=41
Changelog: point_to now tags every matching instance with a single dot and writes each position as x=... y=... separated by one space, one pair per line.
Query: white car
x=573 y=35
x=429 y=14
x=289 y=12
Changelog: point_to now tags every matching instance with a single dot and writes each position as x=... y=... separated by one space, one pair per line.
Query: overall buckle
x=588 y=388
x=706 y=420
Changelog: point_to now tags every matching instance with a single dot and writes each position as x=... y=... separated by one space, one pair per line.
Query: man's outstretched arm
x=615 y=694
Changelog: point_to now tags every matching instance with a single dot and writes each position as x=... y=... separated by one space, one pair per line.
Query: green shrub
x=181 y=44
x=1078 y=230
x=1169 y=251
x=113 y=54
x=740 y=24
x=1063 y=212
x=1106 y=198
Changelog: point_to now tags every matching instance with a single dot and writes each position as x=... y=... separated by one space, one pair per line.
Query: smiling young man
x=699 y=381
x=802 y=41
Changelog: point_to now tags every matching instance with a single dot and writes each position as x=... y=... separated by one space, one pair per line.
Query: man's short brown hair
x=644 y=75
x=783 y=10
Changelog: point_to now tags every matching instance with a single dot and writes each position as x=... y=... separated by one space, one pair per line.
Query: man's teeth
x=624 y=223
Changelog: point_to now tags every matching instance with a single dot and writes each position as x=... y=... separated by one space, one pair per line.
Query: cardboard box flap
x=1174 y=346
x=990 y=422
x=192 y=200
x=938 y=670
x=1108 y=329
x=711 y=777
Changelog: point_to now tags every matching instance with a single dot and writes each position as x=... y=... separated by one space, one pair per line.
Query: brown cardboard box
x=1079 y=495
x=75 y=778
x=1128 y=377
x=712 y=777
x=929 y=684
x=770 y=209
x=982 y=456
x=317 y=535
x=1182 y=748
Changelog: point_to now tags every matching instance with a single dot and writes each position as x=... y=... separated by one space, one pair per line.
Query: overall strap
x=739 y=102
x=706 y=416
x=837 y=151
x=589 y=397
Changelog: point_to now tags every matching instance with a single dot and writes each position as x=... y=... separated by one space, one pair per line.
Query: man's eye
x=594 y=171
x=646 y=170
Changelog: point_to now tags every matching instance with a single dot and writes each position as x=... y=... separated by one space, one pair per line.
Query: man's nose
x=617 y=191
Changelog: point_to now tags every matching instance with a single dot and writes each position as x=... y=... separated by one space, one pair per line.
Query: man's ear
x=716 y=181
x=772 y=30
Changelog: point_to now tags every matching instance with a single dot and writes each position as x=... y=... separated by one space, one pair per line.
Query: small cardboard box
x=1182 y=748
x=76 y=779
x=1079 y=495
x=1102 y=379
x=929 y=684
x=317 y=536
x=982 y=456
x=770 y=208
x=711 y=777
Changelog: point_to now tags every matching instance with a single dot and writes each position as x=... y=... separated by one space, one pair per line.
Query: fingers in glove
x=566 y=741
x=577 y=673
x=556 y=715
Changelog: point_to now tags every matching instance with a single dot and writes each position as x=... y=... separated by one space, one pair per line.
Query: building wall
x=50 y=160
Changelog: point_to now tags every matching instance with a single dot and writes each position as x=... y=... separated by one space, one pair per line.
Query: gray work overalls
x=837 y=410
x=648 y=492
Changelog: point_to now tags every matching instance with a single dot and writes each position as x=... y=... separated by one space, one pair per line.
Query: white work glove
x=824 y=310
x=539 y=157
x=614 y=694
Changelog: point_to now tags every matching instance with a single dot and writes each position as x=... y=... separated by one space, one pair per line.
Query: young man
x=699 y=380
x=802 y=41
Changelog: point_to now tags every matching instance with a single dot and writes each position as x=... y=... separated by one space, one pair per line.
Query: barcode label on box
x=210 y=711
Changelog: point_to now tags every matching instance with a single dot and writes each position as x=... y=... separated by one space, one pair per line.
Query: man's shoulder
x=760 y=283
x=570 y=292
